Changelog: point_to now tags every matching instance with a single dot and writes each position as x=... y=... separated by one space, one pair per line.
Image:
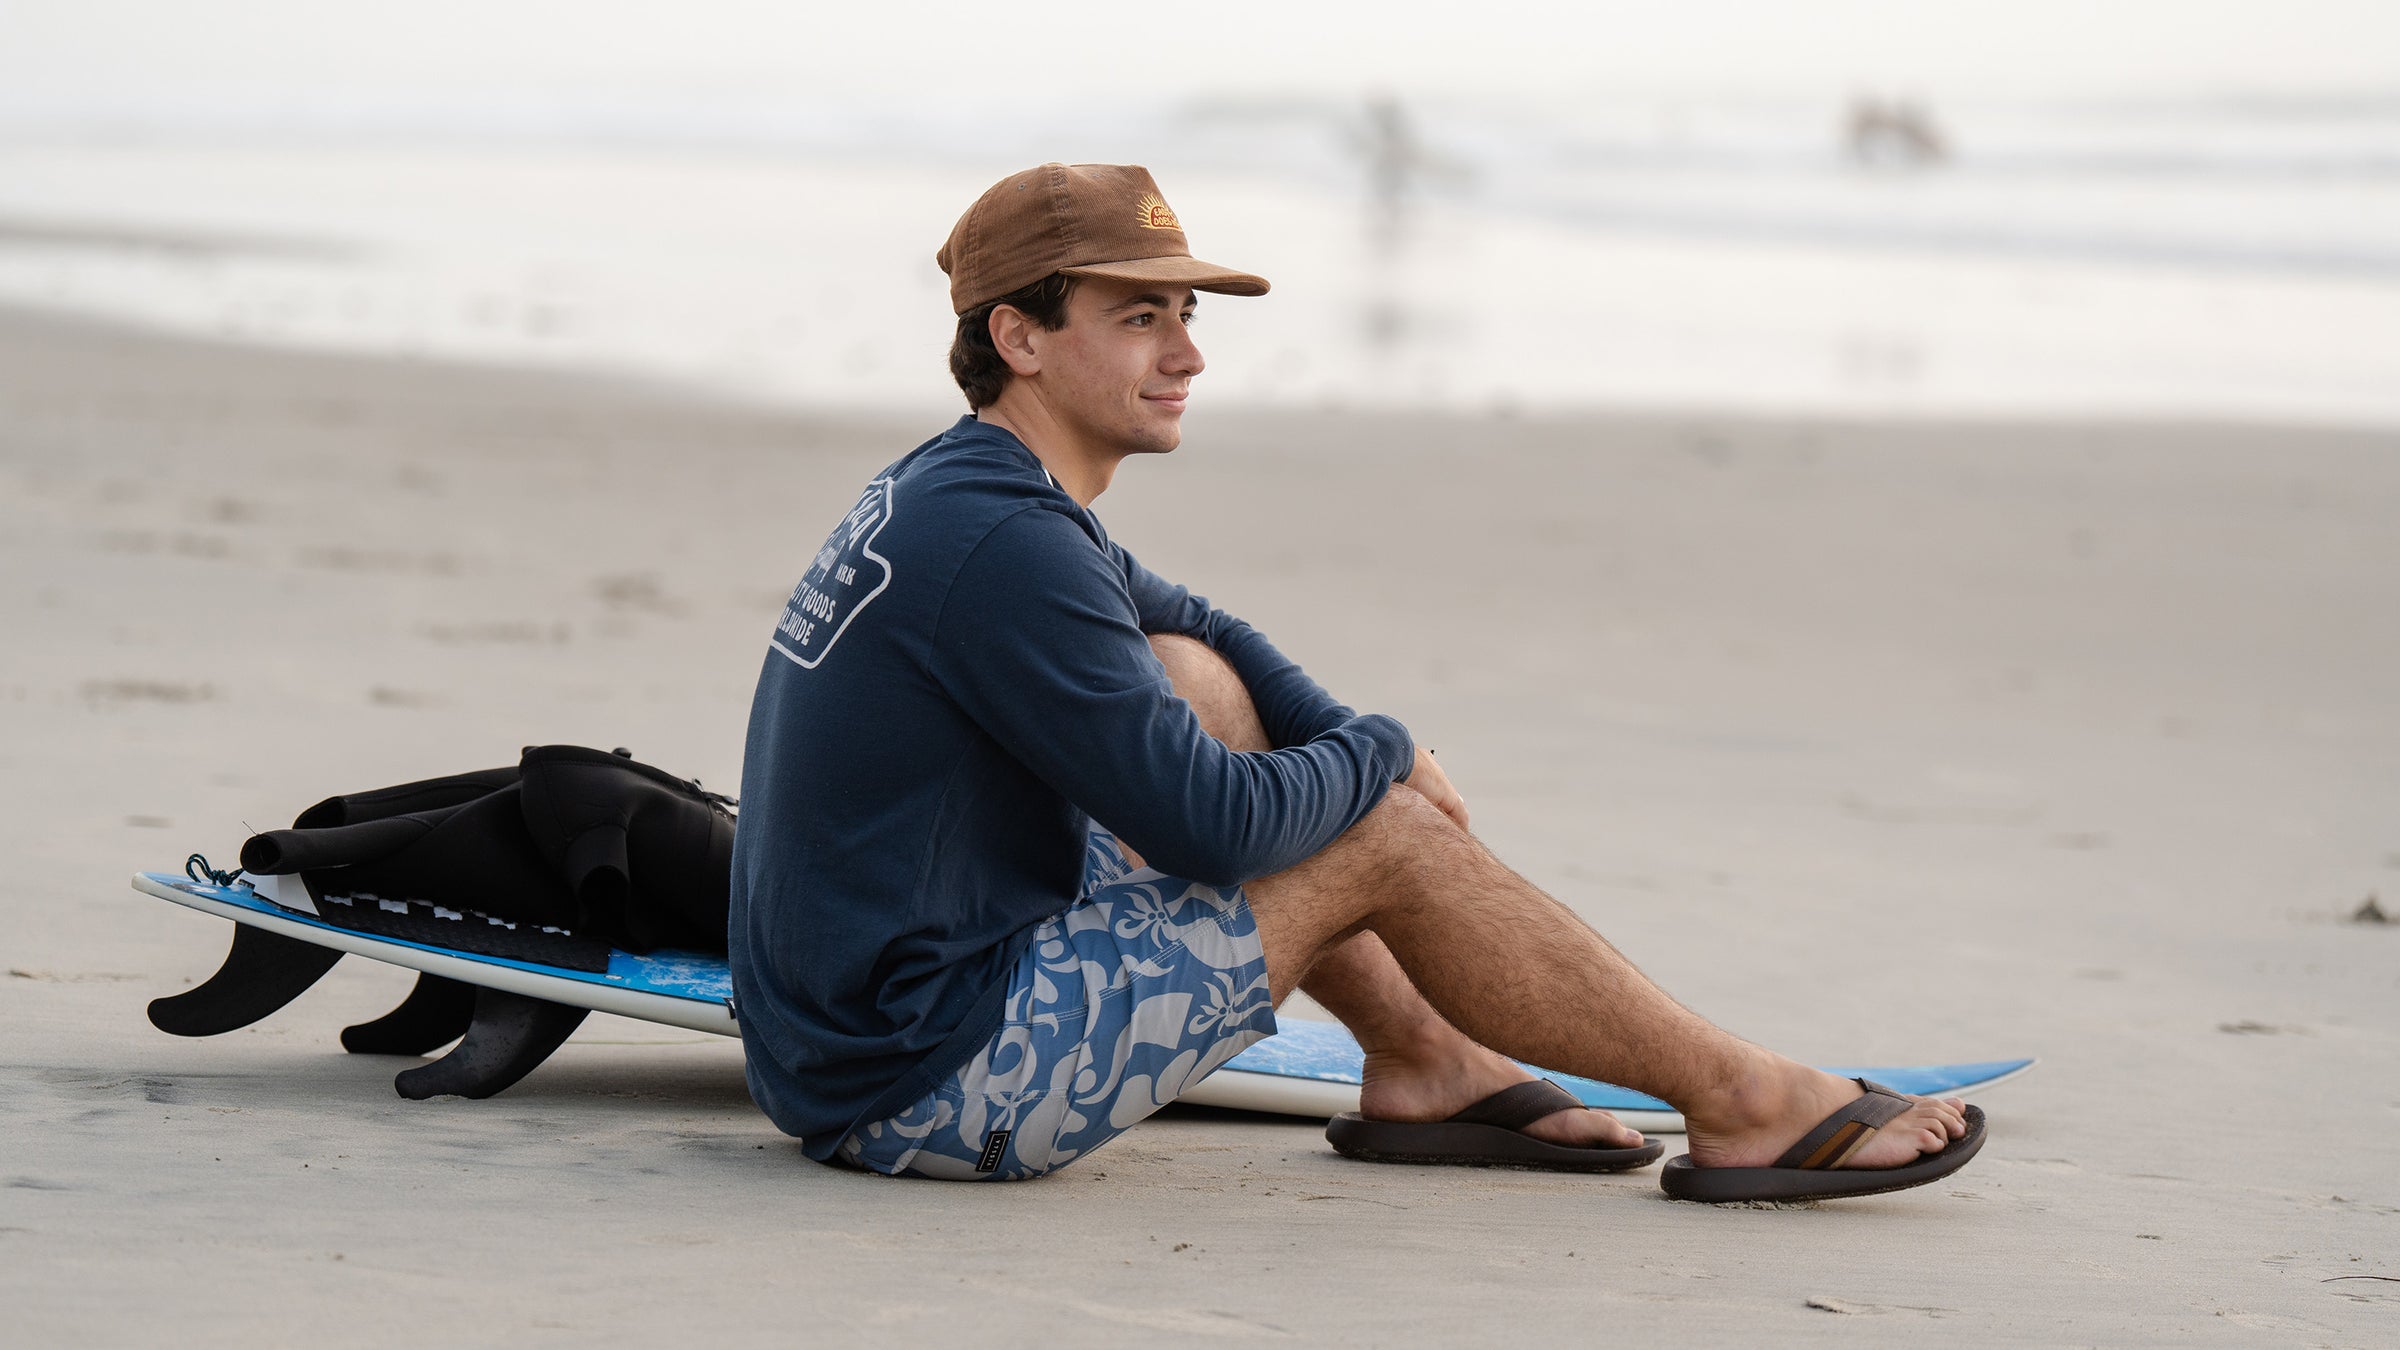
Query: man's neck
x=1081 y=471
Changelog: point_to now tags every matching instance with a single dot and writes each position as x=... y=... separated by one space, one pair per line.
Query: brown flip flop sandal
x=1812 y=1169
x=1487 y=1134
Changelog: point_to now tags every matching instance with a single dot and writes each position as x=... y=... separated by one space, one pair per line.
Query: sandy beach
x=1876 y=742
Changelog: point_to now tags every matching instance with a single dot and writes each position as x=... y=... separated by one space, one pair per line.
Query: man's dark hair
x=975 y=363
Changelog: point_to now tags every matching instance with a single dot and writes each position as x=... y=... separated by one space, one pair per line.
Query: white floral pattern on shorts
x=1139 y=990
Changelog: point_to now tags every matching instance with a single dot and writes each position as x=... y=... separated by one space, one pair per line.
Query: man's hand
x=1427 y=778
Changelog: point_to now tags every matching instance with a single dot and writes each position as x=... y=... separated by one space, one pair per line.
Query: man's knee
x=1402 y=837
x=1404 y=854
x=1215 y=690
x=1405 y=825
x=1189 y=660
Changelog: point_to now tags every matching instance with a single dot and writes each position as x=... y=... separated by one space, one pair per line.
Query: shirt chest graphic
x=845 y=576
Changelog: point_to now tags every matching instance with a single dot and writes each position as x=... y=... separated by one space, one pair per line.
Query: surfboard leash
x=196 y=867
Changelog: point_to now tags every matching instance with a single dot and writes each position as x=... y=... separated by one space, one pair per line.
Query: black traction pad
x=463 y=930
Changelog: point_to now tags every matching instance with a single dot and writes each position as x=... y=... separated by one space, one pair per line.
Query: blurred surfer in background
x=1033 y=838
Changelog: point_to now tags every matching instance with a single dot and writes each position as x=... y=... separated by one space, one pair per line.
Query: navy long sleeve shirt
x=961 y=682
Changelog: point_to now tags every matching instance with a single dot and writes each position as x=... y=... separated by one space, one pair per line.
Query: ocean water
x=2232 y=257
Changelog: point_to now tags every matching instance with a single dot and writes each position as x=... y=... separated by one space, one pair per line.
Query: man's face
x=1118 y=373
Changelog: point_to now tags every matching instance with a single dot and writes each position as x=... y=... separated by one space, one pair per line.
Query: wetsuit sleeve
x=1040 y=643
x=1293 y=708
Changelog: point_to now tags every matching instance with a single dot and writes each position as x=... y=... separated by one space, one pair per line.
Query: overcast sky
x=93 y=52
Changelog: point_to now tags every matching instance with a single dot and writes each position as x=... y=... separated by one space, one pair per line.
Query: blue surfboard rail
x=1326 y=1052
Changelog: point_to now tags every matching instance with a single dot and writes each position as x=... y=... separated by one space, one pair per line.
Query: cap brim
x=1177 y=270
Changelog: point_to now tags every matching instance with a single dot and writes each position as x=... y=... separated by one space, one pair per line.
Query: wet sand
x=1879 y=743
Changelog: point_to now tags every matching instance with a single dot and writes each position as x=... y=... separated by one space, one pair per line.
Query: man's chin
x=1157 y=439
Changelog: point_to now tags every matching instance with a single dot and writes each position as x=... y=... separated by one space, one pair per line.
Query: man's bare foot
x=1445 y=1074
x=1753 y=1123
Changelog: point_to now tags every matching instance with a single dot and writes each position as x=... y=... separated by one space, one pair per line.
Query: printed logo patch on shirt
x=846 y=574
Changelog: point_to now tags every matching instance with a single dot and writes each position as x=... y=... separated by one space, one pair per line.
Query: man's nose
x=1182 y=356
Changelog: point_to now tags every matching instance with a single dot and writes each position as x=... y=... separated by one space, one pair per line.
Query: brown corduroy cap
x=1086 y=220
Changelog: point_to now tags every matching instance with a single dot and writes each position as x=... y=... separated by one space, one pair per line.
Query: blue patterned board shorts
x=1138 y=991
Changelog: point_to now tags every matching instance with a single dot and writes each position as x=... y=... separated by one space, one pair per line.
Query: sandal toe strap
x=1514 y=1108
x=1839 y=1135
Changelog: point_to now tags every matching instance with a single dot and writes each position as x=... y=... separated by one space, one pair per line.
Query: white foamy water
x=2187 y=258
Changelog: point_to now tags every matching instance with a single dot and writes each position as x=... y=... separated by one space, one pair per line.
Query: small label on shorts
x=994 y=1144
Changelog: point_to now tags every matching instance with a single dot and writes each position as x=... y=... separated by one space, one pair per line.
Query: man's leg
x=1516 y=971
x=1419 y=1067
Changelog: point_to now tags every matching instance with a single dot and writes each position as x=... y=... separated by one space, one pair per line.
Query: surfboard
x=1309 y=1069
x=1313 y=1069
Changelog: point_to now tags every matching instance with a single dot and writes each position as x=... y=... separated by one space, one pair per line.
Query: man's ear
x=1013 y=336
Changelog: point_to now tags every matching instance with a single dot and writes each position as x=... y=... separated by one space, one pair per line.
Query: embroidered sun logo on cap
x=1156 y=214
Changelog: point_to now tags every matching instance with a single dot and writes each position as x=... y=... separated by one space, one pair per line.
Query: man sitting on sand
x=949 y=959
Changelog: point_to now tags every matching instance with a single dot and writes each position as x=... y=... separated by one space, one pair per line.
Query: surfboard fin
x=508 y=1037
x=263 y=972
x=436 y=1012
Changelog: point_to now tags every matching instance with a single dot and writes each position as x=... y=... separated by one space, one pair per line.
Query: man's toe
x=1584 y=1127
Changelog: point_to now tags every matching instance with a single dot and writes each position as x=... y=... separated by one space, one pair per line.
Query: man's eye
x=1140 y=320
